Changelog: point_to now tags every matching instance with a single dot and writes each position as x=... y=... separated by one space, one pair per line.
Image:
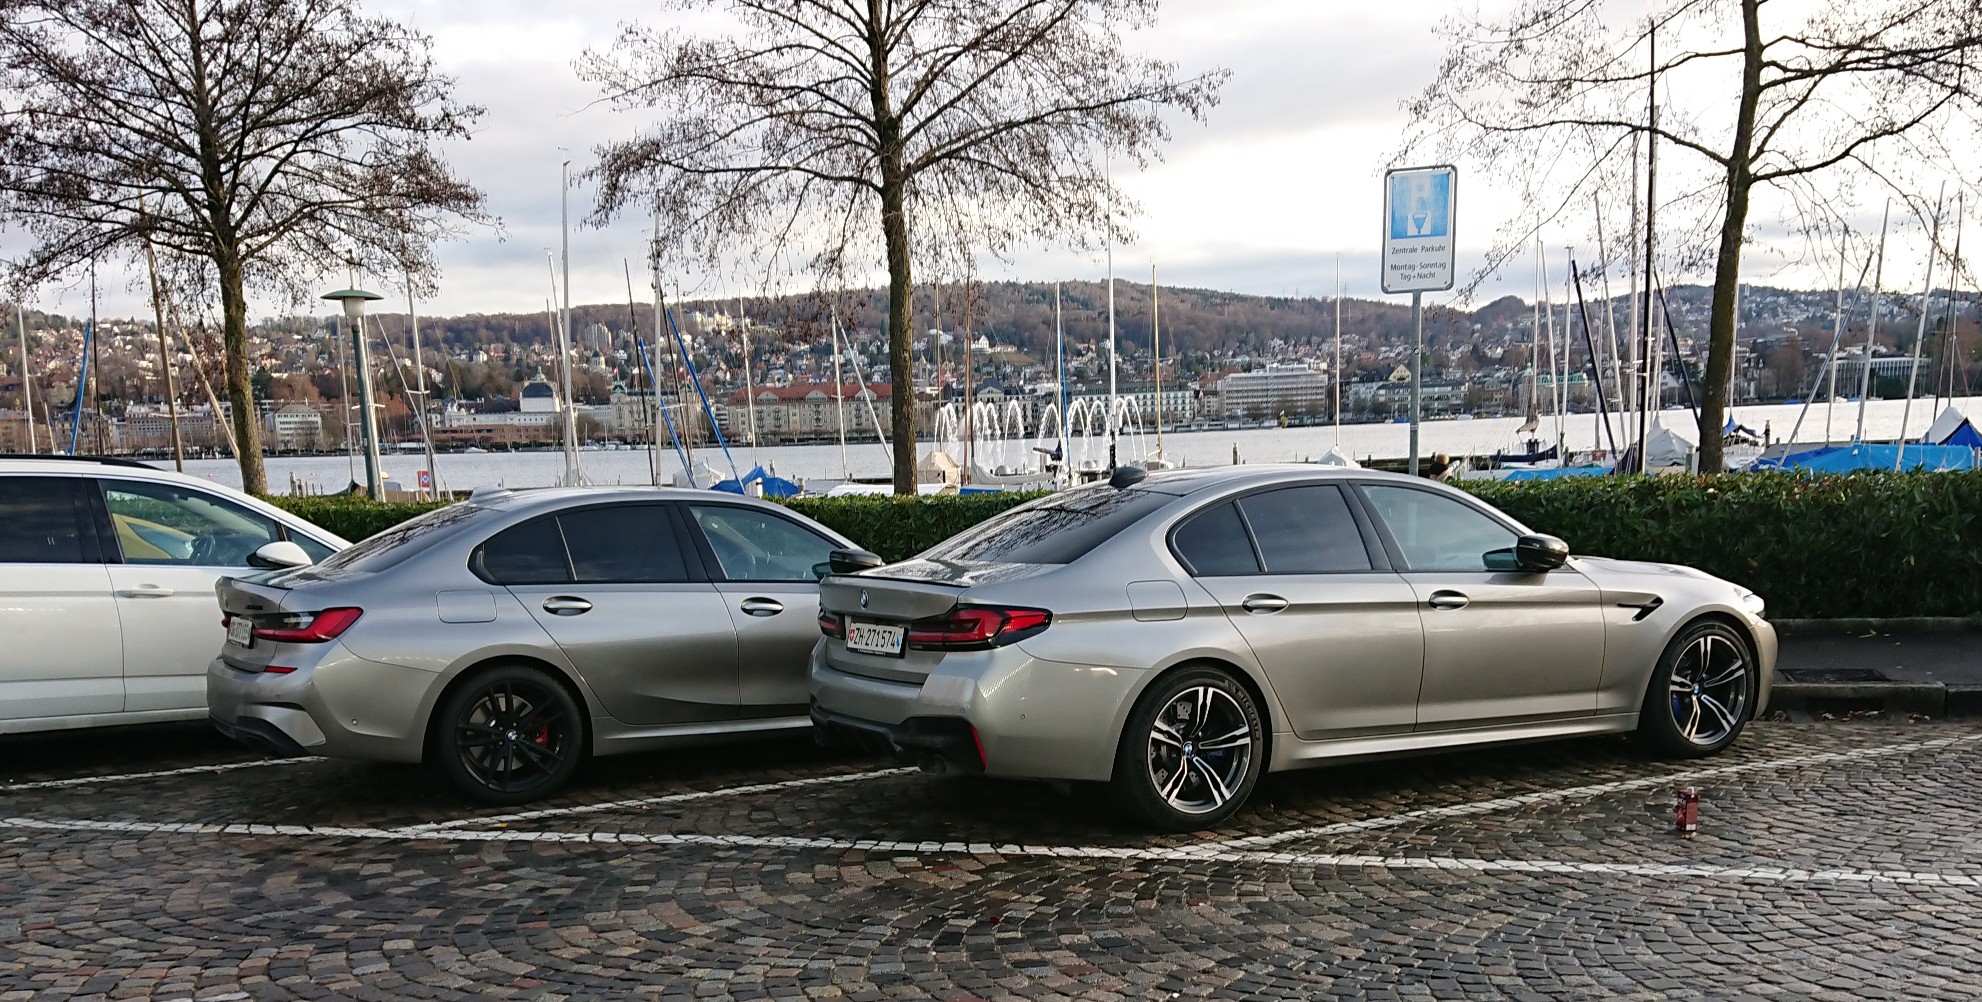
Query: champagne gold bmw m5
x=1175 y=636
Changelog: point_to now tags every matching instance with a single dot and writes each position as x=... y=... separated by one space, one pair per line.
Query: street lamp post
x=353 y=301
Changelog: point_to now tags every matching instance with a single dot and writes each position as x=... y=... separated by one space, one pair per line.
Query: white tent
x=1335 y=456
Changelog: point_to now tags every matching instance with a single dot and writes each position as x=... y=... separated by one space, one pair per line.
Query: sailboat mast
x=969 y=363
x=572 y=474
x=1535 y=335
x=1554 y=378
x=1951 y=332
x=749 y=392
x=27 y=383
x=1335 y=379
x=1060 y=353
x=164 y=363
x=839 y=396
x=1872 y=326
x=1156 y=351
x=1568 y=337
x=420 y=372
x=1919 y=336
x=1109 y=235
x=1649 y=334
x=1630 y=388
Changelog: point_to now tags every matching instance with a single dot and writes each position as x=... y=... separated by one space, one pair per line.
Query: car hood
x=1611 y=572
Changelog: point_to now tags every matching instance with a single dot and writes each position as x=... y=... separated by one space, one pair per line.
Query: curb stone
x=1861 y=626
x=1934 y=700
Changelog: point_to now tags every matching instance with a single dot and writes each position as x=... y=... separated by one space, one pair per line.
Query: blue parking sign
x=1420 y=205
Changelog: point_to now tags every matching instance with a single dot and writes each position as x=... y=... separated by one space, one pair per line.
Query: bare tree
x=271 y=138
x=1797 y=102
x=852 y=131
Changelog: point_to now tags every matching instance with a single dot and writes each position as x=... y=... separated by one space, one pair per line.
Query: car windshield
x=387 y=549
x=1054 y=530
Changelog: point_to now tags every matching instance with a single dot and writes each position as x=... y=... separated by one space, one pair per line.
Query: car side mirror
x=279 y=555
x=852 y=561
x=1540 y=552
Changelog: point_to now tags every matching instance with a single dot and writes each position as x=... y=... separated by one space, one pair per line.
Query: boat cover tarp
x=774 y=487
x=1953 y=428
x=1847 y=458
x=1558 y=473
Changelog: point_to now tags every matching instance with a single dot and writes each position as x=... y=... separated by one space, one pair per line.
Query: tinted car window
x=531 y=553
x=1055 y=530
x=754 y=545
x=45 y=523
x=168 y=524
x=631 y=543
x=1306 y=530
x=1214 y=543
x=388 y=548
x=1438 y=533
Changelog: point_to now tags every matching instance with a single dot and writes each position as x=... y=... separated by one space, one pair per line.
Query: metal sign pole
x=1417 y=372
x=1419 y=206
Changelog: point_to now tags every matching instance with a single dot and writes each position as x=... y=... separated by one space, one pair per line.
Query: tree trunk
x=901 y=282
x=894 y=228
x=1727 y=265
x=240 y=386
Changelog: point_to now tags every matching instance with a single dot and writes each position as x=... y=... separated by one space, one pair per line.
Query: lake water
x=1482 y=436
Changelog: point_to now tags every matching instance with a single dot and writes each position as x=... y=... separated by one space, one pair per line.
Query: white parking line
x=132 y=777
x=1181 y=854
x=1250 y=842
x=669 y=798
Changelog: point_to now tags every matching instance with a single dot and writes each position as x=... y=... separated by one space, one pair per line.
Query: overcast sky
x=1284 y=176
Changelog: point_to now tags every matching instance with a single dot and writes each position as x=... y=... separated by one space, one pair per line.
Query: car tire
x=508 y=735
x=1701 y=693
x=1190 y=753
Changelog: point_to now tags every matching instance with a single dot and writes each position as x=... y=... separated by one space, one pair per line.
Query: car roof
x=518 y=498
x=131 y=469
x=1191 y=481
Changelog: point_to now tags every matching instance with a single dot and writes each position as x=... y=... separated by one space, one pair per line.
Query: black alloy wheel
x=509 y=736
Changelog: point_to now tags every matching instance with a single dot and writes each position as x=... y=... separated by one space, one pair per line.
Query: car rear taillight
x=322 y=627
x=976 y=627
x=832 y=625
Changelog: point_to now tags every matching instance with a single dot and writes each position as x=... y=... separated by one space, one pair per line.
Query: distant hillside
x=1193 y=320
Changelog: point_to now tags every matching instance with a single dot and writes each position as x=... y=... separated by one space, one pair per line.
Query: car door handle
x=566 y=605
x=145 y=591
x=762 y=606
x=1447 y=600
x=1263 y=604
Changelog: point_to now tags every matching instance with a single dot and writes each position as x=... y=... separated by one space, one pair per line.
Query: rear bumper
x=946 y=744
x=259 y=734
x=339 y=706
x=1024 y=717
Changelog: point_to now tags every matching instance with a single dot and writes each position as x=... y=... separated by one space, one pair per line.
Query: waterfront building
x=1279 y=388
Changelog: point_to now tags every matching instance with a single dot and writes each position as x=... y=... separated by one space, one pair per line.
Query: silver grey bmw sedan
x=1178 y=635
x=503 y=638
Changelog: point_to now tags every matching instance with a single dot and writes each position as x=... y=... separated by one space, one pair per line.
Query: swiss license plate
x=241 y=630
x=875 y=638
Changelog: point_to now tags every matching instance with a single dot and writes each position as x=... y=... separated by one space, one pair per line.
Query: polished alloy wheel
x=1200 y=748
x=514 y=735
x=1709 y=690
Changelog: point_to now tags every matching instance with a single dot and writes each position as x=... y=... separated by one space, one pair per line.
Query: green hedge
x=898 y=527
x=354 y=518
x=1880 y=544
x=1887 y=544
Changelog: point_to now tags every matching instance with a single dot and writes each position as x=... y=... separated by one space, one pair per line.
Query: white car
x=107 y=568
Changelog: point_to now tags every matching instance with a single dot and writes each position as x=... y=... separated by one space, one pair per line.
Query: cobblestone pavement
x=1834 y=861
